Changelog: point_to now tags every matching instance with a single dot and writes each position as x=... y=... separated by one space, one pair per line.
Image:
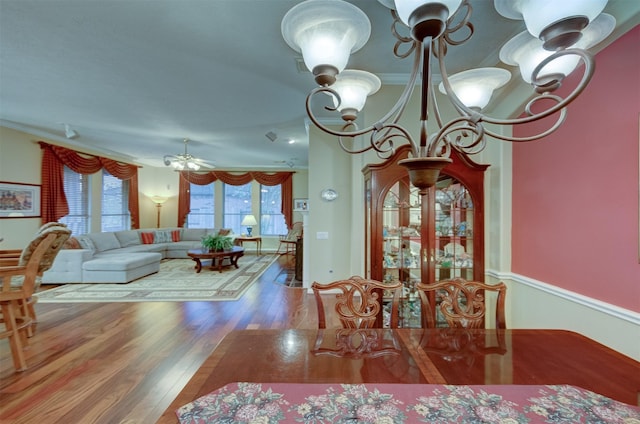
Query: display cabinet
x=412 y=237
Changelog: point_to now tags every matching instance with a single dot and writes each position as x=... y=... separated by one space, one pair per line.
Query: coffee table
x=199 y=254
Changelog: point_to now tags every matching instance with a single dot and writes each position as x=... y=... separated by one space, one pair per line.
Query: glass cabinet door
x=454 y=230
x=401 y=216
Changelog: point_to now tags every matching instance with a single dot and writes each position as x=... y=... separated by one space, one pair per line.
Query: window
x=115 y=203
x=237 y=204
x=202 y=212
x=76 y=190
x=271 y=218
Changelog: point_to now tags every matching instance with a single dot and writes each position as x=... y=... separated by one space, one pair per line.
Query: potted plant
x=217 y=243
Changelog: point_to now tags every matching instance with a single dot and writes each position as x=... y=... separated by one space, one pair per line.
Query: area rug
x=176 y=281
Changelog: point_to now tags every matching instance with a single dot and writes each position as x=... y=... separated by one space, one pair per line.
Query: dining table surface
x=443 y=356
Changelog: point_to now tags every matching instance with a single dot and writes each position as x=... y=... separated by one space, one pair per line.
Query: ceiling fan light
x=353 y=86
x=326 y=32
x=193 y=166
x=558 y=24
x=475 y=87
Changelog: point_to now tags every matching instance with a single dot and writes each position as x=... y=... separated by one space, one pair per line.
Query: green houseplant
x=217 y=243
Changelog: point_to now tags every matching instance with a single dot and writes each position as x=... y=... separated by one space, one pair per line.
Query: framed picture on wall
x=300 y=205
x=19 y=200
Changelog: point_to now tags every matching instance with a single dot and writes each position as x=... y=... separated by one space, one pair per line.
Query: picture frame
x=20 y=200
x=300 y=205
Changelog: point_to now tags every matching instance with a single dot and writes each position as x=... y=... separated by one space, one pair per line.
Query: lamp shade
x=326 y=32
x=249 y=220
x=353 y=87
x=526 y=51
x=158 y=200
x=539 y=15
x=475 y=87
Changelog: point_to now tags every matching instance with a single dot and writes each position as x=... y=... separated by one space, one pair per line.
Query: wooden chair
x=460 y=303
x=60 y=234
x=357 y=301
x=13 y=300
x=289 y=240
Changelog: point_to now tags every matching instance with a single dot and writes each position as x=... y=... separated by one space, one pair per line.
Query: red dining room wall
x=575 y=193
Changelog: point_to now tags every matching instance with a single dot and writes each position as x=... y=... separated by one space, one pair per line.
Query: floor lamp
x=158 y=200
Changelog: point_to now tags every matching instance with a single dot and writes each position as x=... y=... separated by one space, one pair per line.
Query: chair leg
x=15 y=338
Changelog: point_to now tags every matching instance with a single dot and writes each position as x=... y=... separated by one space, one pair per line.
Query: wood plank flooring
x=126 y=362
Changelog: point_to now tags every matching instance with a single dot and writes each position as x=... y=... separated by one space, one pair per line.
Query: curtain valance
x=54 y=158
x=264 y=178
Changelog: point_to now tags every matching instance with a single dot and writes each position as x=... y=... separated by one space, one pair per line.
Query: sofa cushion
x=128 y=238
x=86 y=243
x=193 y=234
x=147 y=237
x=104 y=241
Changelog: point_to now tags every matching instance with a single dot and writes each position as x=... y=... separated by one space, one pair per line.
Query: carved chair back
x=358 y=301
x=460 y=303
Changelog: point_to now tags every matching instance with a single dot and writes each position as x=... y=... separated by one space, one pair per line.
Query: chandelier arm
x=461 y=125
x=560 y=102
x=561 y=118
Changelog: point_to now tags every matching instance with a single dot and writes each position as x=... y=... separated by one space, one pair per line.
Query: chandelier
x=183 y=161
x=557 y=35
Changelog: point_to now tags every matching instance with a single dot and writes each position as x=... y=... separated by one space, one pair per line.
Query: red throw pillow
x=147 y=238
x=175 y=235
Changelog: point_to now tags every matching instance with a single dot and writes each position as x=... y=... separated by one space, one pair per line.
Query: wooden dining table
x=414 y=356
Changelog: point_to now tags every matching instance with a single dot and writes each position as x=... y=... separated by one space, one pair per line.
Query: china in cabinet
x=413 y=238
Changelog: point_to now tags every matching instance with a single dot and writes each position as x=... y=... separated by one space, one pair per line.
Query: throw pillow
x=72 y=243
x=224 y=231
x=175 y=235
x=162 y=236
x=147 y=238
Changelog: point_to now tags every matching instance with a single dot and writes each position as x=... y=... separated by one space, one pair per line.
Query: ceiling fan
x=185 y=160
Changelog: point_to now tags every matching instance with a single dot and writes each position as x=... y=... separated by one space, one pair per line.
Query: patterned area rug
x=177 y=281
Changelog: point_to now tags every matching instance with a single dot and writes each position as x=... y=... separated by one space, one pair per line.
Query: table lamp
x=249 y=221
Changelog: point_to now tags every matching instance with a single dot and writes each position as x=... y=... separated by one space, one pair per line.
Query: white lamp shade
x=526 y=51
x=406 y=7
x=326 y=32
x=539 y=14
x=475 y=87
x=158 y=200
x=353 y=87
x=249 y=220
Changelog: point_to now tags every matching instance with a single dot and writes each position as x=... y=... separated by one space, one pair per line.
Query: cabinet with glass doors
x=412 y=238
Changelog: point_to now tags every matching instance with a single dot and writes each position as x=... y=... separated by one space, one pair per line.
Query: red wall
x=575 y=193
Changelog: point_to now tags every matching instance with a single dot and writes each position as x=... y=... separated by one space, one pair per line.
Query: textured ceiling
x=134 y=78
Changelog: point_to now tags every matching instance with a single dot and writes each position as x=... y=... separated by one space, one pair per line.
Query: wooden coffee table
x=198 y=255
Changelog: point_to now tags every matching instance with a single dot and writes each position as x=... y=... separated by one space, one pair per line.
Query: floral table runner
x=268 y=403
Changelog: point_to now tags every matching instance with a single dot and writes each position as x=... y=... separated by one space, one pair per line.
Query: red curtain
x=283 y=178
x=54 y=202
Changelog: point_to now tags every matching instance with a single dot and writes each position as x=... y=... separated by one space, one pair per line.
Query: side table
x=255 y=239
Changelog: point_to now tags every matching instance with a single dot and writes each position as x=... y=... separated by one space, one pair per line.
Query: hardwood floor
x=126 y=362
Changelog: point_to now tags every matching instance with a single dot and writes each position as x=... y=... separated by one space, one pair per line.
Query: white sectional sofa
x=121 y=256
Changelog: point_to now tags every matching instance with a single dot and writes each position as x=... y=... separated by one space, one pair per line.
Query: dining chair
x=15 y=318
x=26 y=282
x=460 y=303
x=358 y=301
x=289 y=240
